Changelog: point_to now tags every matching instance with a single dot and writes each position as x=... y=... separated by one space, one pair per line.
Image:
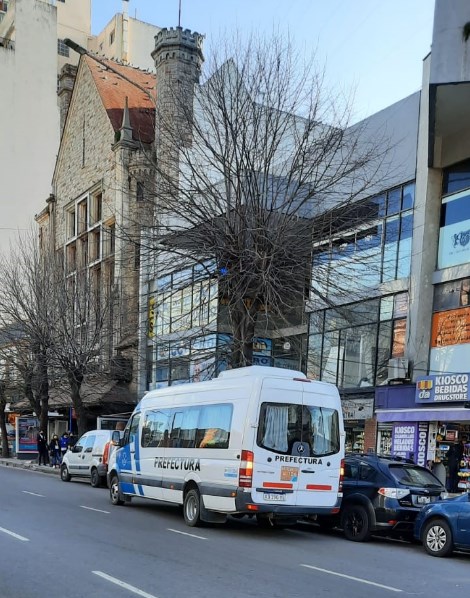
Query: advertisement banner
x=442 y=388
x=357 y=409
x=421 y=446
x=27 y=429
x=404 y=437
x=451 y=327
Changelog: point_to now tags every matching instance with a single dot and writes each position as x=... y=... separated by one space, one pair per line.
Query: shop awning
x=423 y=415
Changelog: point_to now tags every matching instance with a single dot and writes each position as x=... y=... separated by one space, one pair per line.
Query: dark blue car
x=444 y=526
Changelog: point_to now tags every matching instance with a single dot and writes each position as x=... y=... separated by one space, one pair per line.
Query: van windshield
x=283 y=424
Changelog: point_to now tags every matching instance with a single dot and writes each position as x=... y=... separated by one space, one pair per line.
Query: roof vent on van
x=261 y=371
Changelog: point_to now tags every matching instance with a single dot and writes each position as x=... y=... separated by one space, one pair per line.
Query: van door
x=75 y=457
x=128 y=458
x=319 y=474
x=275 y=467
x=87 y=454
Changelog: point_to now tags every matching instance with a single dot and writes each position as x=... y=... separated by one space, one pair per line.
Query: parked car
x=382 y=494
x=85 y=458
x=445 y=526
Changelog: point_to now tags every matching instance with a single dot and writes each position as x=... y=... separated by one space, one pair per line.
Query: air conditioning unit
x=398 y=368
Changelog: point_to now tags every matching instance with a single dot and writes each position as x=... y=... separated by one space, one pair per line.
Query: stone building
x=92 y=216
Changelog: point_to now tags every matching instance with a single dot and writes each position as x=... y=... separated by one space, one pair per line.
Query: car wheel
x=95 y=480
x=64 y=474
x=192 y=508
x=114 y=493
x=437 y=538
x=355 y=522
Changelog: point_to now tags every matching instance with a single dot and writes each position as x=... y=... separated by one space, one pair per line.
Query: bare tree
x=25 y=314
x=252 y=170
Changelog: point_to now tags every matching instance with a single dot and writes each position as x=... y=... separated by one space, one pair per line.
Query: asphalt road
x=59 y=539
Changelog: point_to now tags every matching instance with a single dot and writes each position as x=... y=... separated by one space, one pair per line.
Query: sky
x=370 y=48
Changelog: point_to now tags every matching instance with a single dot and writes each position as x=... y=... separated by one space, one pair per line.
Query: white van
x=85 y=458
x=255 y=441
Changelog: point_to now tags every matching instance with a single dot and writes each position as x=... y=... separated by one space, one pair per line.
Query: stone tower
x=178 y=59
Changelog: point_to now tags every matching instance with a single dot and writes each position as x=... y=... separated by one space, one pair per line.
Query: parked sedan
x=445 y=526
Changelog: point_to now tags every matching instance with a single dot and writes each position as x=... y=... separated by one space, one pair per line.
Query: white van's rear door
x=318 y=477
x=275 y=473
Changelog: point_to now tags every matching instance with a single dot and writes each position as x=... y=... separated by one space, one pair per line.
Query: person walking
x=55 y=452
x=64 y=444
x=43 y=456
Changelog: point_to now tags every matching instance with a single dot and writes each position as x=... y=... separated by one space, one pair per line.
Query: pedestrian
x=43 y=456
x=454 y=455
x=55 y=452
x=64 y=444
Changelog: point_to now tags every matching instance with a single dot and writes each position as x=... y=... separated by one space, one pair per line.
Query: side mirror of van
x=116 y=437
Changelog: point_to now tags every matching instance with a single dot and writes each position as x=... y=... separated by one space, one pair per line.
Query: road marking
x=123 y=584
x=92 y=509
x=17 y=536
x=370 y=583
x=32 y=493
x=186 y=534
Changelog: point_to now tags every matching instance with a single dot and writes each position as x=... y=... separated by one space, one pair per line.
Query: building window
x=71 y=224
x=96 y=208
x=82 y=216
x=350 y=346
x=112 y=35
x=140 y=191
x=377 y=250
x=62 y=49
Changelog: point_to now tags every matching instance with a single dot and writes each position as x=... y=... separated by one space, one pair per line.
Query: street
x=66 y=539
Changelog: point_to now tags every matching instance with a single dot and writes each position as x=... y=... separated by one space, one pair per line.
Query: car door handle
x=307 y=471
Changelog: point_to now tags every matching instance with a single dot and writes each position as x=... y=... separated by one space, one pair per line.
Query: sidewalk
x=25 y=464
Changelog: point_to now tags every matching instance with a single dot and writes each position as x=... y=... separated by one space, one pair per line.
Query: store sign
x=410 y=441
x=354 y=409
x=442 y=388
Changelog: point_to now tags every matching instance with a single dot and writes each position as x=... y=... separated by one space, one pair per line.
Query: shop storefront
x=430 y=423
x=356 y=412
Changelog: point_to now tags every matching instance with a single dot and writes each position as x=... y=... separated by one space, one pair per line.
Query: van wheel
x=64 y=474
x=192 y=508
x=95 y=480
x=114 y=493
x=355 y=523
x=437 y=538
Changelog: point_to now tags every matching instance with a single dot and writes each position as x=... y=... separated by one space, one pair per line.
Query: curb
x=29 y=466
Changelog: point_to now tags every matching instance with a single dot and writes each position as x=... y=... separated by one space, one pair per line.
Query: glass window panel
x=357 y=356
x=408 y=197
x=457 y=177
x=446 y=296
x=379 y=203
x=404 y=248
x=386 y=308
x=390 y=249
x=314 y=356
x=394 y=201
x=330 y=356
x=155 y=429
x=399 y=334
x=184 y=428
x=383 y=352
x=316 y=322
x=400 y=305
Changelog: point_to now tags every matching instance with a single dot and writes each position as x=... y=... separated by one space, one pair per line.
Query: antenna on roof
x=179 y=14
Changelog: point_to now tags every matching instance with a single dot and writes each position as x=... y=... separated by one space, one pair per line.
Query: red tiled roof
x=114 y=88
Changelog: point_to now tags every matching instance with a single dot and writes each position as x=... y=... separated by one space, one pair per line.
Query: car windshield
x=412 y=475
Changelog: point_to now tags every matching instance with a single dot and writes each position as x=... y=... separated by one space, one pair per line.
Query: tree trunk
x=29 y=394
x=243 y=316
x=75 y=381
x=3 y=423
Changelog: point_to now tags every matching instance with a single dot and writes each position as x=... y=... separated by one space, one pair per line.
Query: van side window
x=155 y=430
x=184 y=428
x=90 y=441
x=132 y=431
x=214 y=426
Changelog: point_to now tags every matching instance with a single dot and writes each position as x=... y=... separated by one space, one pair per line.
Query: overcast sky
x=373 y=47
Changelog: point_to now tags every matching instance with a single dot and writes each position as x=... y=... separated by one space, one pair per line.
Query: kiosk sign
x=442 y=388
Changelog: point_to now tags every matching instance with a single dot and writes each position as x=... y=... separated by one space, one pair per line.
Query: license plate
x=423 y=500
x=274 y=497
